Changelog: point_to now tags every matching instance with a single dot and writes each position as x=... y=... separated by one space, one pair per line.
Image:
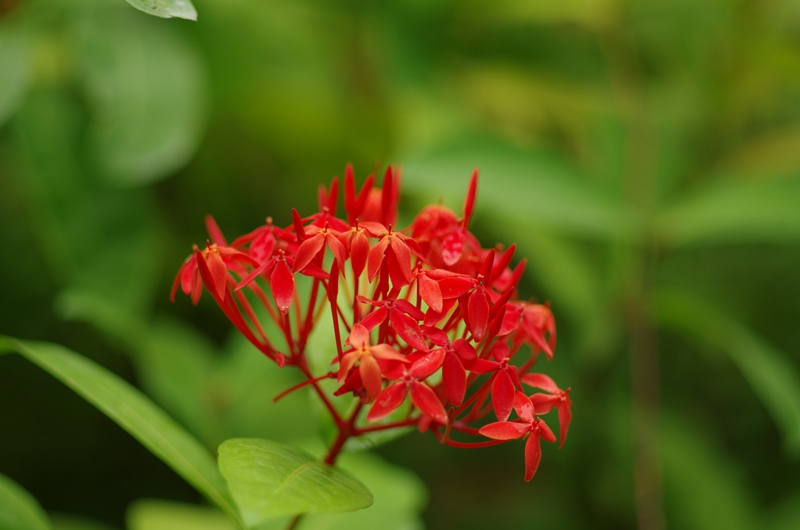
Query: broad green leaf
x=18 y=509
x=534 y=184
x=772 y=375
x=147 y=86
x=734 y=211
x=134 y=412
x=785 y=515
x=14 y=71
x=704 y=489
x=167 y=515
x=268 y=479
x=166 y=8
x=400 y=497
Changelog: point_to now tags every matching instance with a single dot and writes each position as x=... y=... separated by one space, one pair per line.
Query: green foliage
x=133 y=412
x=18 y=509
x=166 y=8
x=268 y=479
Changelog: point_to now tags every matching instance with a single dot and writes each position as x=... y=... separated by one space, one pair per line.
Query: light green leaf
x=167 y=515
x=268 y=479
x=537 y=185
x=734 y=211
x=773 y=377
x=148 y=87
x=14 y=71
x=166 y=8
x=18 y=509
x=134 y=412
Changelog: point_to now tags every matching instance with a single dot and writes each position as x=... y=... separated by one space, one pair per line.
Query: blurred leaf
x=147 y=85
x=132 y=411
x=772 y=375
x=166 y=8
x=107 y=316
x=785 y=515
x=18 y=509
x=268 y=479
x=734 y=211
x=168 y=515
x=539 y=186
x=14 y=70
x=101 y=242
x=703 y=489
x=777 y=153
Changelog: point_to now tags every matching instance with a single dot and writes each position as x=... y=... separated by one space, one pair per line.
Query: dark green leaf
x=18 y=509
x=773 y=377
x=268 y=479
x=134 y=412
x=166 y=8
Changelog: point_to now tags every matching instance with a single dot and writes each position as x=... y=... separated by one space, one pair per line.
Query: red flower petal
x=533 y=454
x=425 y=399
x=281 y=282
x=370 y=375
x=375 y=258
x=403 y=255
x=524 y=407
x=215 y=232
x=426 y=366
x=505 y=430
x=339 y=252
x=502 y=395
x=541 y=381
x=408 y=329
x=359 y=336
x=469 y=201
x=545 y=431
x=453 y=247
x=218 y=272
x=308 y=250
x=406 y=307
x=564 y=418
x=455 y=286
x=478 y=310
x=455 y=378
x=388 y=401
x=359 y=250
x=384 y=351
x=544 y=403
x=430 y=292
x=375 y=318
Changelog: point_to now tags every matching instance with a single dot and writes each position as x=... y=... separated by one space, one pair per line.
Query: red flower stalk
x=424 y=312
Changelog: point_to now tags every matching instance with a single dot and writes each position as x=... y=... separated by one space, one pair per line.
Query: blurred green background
x=644 y=155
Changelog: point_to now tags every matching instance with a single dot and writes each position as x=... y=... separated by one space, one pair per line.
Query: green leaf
x=167 y=515
x=18 y=509
x=734 y=211
x=400 y=497
x=773 y=377
x=14 y=71
x=134 y=412
x=166 y=8
x=147 y=86
x=536 y=184
x=704 y=489
x=268 y=479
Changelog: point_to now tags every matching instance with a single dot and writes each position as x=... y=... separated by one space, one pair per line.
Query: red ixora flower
x=423 y=311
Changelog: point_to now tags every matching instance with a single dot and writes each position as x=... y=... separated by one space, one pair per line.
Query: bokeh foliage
x=645 y=156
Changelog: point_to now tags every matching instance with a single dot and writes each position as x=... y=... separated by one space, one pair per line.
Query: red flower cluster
x=424 y=312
